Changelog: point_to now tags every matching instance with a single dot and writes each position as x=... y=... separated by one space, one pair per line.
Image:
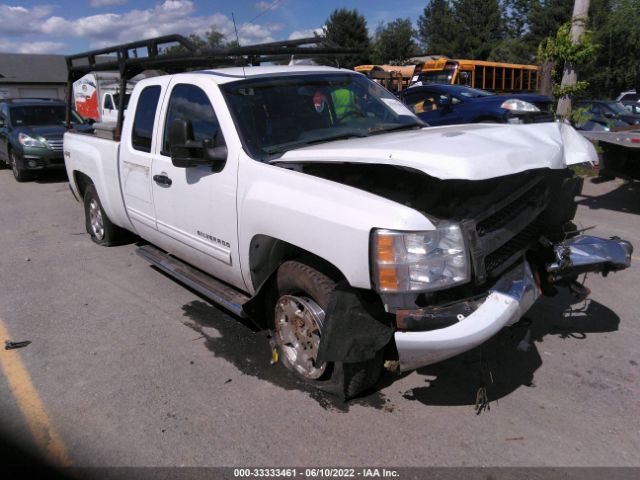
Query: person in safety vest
x=344 y=103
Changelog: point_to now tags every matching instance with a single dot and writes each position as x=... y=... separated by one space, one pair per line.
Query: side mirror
x=1 y=122
x=609 y=114
x=187 y=152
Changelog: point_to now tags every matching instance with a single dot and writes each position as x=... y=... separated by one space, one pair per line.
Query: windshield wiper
x=397 y=128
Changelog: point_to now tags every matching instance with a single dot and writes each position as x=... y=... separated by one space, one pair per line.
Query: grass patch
x=585 y=170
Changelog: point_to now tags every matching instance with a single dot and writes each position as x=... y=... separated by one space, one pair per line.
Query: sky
x=74 y=26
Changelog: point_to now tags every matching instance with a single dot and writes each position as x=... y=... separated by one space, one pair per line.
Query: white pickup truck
x=310 y=199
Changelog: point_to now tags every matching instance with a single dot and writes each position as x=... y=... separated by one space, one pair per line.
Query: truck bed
x=97 y=159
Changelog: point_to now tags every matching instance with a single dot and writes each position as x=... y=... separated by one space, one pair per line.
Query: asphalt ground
x=126 y=367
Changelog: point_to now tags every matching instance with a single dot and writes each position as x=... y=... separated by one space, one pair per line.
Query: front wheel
x=302 y=298
x=98 y=225
x=19 y=173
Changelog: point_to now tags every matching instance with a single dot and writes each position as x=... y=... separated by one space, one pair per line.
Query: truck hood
x=465 y=152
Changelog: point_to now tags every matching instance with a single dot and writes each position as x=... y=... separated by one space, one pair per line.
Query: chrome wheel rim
x=298 y=323
x=95 y=219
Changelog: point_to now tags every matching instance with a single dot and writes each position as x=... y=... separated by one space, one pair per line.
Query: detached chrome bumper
x=509 y=300
x=589 y=254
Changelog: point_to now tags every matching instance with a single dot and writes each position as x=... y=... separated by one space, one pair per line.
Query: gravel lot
x=135 y=370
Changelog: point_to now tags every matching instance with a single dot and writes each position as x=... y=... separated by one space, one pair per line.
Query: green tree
x=437 y=28
x=348 y=29
x=479 y=27
x=617 y=64
x=561 y=50
x=211 y=39
x=516 y=17
x=512 y=50
x=394 y=42
x=545 y=18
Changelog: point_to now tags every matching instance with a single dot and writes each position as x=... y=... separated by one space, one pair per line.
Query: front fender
x=331 y=220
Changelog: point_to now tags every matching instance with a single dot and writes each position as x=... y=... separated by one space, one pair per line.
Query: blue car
x=451 y=104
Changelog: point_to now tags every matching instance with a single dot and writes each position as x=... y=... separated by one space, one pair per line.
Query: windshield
x=473 y=93
x=438 y=76
x=277 y=114
x=39 y=115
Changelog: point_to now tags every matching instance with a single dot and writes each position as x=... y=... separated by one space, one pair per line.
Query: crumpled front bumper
x=506 y=303
x=509 y=300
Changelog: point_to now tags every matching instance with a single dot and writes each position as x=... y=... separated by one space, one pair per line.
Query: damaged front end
x=521 y=246
x=497 y=245
x=463 y=325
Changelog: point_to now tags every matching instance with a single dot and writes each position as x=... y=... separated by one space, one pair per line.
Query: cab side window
x=144 y=119
x=421 y=102
x=188 y=102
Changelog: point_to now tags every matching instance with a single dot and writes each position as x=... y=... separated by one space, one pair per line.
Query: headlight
x=27 y=141
x=516 y=105
x=419 y=261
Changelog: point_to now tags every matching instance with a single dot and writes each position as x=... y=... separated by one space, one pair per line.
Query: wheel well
x=82 y=181
x=265 y=257
x=268 y=253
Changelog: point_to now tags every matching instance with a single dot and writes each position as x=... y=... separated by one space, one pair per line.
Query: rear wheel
x=19 y=173
x=302 y=298
x=99 y=227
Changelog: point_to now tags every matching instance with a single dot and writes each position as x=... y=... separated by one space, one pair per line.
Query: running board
x=216 y=291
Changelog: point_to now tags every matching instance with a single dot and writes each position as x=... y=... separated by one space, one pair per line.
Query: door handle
x=162 y=180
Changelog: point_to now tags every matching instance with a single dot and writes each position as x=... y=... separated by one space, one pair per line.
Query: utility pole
x=570 y=77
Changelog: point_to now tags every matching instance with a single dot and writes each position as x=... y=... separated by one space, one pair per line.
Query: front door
x=196 y=206
x=109 y=112
x=432 y=107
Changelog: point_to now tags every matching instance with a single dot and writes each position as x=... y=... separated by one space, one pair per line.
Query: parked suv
x=31 y=132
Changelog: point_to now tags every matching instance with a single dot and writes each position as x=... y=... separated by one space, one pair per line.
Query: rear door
x=196 y=206
x=136 y=157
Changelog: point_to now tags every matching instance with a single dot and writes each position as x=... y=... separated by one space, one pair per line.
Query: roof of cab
x=226 y=75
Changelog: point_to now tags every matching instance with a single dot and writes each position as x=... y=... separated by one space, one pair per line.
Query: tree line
x=514 y=31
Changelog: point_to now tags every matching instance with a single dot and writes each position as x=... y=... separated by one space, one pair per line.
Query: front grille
x=55 y=144
x=504 y=235
x=499 y=260
x=506 y=214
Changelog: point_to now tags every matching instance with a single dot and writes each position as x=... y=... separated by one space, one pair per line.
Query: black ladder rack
x=131 y=59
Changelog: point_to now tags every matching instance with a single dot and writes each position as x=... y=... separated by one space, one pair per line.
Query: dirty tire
x=98 y=225
x=20 y=174
x=346 y=380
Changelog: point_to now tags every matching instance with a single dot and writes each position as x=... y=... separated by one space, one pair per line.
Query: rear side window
x=145 y=116
x=189 y=102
